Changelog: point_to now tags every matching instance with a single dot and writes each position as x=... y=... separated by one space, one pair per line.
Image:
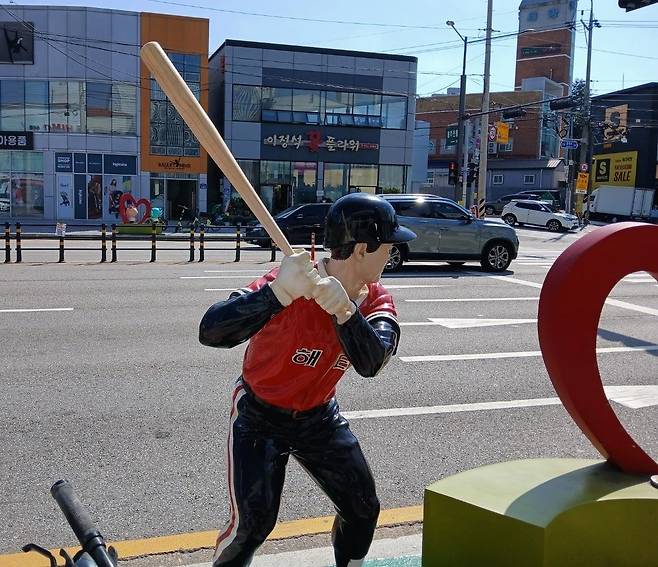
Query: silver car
x=445 y=231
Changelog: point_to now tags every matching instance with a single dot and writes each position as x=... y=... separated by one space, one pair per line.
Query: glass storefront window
x=363 y=175
x=275 y=98
x=12 y=105
x=27 y=162
x=251 y=169
x=275 y=173
x=336 y=180
x=59 y=121
x=391 y=178
x=394 y=112
x=246 y=103
x=124 y=109
x=99 y=108
x=304 y=182
x=36 y=106
x=306 y=106
x=27 y=194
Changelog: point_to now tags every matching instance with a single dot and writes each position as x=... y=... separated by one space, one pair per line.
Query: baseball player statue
x=306 y=325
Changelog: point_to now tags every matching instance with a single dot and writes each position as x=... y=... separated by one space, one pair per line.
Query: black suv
x=297 y=223
x=496 y=207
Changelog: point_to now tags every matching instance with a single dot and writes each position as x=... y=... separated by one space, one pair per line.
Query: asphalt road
x=118 y=396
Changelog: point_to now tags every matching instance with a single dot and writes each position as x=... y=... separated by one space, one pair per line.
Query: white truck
x=612 y=203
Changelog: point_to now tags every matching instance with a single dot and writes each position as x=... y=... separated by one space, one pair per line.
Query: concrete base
x=541 y=513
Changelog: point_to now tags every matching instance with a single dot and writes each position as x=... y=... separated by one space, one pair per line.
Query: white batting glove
x=330 y=294
x=296 y=278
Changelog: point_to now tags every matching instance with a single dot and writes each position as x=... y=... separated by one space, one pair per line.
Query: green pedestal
x=137 y=229
x=541 y=513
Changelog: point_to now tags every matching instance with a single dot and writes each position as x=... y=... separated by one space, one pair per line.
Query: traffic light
x=452 y=173
x=514 y=113
x=562 y=103
x=472 y=172
x=630 y=5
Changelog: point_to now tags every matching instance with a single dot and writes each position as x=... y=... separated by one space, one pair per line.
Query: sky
x=623 y=54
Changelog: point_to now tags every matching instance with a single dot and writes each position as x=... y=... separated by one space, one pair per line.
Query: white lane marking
x=632 y=306
x=235 y=271
x=450 y=323
x=36 y=310
x=236 y=277
x=413 y=286
x=522 y=354
x=515 y=280
x=220 y=289
x=472 y=299
x=634 y=397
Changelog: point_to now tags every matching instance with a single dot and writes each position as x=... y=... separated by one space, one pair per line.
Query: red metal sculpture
x=570 y=307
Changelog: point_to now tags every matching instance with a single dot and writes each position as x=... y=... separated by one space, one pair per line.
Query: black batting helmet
x=362 y=217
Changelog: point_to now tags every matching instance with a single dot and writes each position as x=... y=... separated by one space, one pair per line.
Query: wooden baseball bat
x=198 y=121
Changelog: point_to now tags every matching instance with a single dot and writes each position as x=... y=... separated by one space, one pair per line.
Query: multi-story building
x=81 y=122
x=309 y=124
x=528 y=160
x=546 y=41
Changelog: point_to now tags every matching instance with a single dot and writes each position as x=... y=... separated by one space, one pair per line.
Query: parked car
x=447 y=232
x=297 y=223
x=551 y=196
x=496 y=207
x=539 y=214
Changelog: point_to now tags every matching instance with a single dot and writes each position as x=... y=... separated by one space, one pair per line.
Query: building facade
x=309 y=124
x=626 y=138
x=81 y=122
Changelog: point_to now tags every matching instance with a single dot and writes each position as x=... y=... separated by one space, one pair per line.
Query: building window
x=246 y=103
x=337 y=108
x=492 y=147
x=36 y=106
x=497 y=179
x=21 y=184
x=528 y=179
x=508 y=147
x=391 y=178
x=12 y=109
x=304 y=182
x=394 y=112
x=336 y=180
x=306 y=106
x=169 y=133
x=251 y=169
x=99 y=108
x=124 y=109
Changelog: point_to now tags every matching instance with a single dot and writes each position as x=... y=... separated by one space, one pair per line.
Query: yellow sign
x=502 y=133
x=615 y=169
x=581 y=182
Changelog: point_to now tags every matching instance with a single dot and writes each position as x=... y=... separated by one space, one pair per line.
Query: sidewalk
x=393 y=552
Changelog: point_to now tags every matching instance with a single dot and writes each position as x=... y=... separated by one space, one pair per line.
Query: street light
x=462 y=103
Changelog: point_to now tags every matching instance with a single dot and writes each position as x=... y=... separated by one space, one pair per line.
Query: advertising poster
x=80 y=191
x=113 y=187
x=5 y=195
x=65 y=198
x=617 y=169
x=94 y=196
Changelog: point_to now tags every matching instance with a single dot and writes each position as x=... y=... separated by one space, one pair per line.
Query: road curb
x=195 y=541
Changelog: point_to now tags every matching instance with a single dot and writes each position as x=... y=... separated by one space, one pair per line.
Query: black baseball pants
x=261 y=438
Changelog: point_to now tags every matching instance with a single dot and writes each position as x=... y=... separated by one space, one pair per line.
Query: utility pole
x=467 y=135
x=587 y=147
x=461 y=135
x=484 y=128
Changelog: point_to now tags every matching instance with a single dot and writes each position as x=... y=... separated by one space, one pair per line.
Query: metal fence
x=199 y=242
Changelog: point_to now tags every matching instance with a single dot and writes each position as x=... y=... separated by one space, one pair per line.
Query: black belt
x=295 y=414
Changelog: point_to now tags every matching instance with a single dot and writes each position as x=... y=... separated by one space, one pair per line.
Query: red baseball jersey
x=296 y=359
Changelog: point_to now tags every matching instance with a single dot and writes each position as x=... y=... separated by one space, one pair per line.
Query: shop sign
x=541 y=50
x=120 y=164
x=615 y=169
x=176 y=164
x=80 y=163
x=63 y=162
x=582 y=182
x=314 y=140
x=502 y=133
x=452 y=135
x=16 y=140
x=616 y=123
x=95 y=163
